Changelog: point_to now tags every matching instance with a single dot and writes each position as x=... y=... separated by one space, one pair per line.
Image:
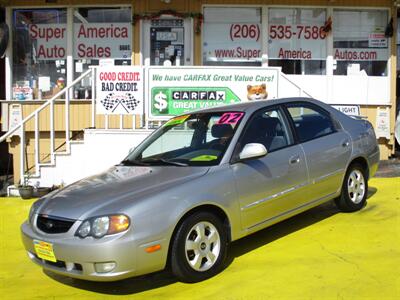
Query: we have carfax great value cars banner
x=173 y=91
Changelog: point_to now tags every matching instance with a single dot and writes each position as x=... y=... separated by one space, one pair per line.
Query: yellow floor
x=320 y=254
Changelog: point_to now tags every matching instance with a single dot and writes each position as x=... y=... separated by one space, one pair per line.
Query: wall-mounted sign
x=119 y=90
x=232 y=42
x=382 y=126
x=232 y=34
x=102 y=40
x=296 y=33
x=360 y=35
x=173 y=91
x=15 y=116
x=49 y=41
x=350 y=110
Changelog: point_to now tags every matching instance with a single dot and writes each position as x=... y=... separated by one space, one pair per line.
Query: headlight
x=84 y=229
x=100 y=226
x=104 y=225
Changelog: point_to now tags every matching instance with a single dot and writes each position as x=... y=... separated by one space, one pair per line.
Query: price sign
x=230 y=118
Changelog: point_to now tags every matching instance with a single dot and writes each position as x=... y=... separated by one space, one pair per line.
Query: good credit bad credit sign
x=173 y=91
x=119 y=90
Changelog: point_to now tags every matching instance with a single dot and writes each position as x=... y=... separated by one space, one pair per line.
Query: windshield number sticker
x=230 y=118
x=177 y=120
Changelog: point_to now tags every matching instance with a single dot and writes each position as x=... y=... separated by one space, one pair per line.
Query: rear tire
x=198 y=248
x=354 y=189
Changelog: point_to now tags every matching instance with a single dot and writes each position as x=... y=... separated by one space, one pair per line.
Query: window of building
x=232 y=36
x=359 y=42
x=39 y=52
x=296 y=41
x=102 y=36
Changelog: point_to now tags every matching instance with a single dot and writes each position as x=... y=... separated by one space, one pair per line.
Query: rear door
x=271 y=185
x=326 y=146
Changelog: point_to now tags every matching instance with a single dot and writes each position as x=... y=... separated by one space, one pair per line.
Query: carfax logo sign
x=174 y=91
x=119 y=90
x=178 y=100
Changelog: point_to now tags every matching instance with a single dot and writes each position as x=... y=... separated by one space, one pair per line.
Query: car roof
x=251 y=106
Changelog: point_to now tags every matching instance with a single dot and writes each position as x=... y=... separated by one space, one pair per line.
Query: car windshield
x=190 y=140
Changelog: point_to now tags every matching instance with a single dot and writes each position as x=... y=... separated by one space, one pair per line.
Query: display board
x=119 y=90
x=360 y=35
x=49 y=40
x=173 y=91
x=297 y=33
x=102 y=40
x=232 y=34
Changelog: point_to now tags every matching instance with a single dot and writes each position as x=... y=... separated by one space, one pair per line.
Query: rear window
x=310 y=122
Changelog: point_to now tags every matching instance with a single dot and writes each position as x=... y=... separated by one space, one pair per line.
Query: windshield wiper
x=128 y=162
x=165 y=162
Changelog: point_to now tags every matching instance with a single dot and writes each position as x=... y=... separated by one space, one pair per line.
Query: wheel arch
x=363 y=162
x=211 y=208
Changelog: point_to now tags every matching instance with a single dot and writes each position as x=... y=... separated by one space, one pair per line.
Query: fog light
x=104 y=267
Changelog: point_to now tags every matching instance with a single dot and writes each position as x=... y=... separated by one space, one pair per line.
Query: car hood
x=112 y=187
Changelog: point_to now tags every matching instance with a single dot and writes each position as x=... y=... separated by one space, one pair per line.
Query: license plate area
x=44 y=250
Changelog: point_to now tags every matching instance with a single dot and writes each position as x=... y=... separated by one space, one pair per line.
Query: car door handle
x=294 y=159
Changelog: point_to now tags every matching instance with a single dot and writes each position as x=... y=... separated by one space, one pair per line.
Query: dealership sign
x=297 y=41
x=173 y=91
x=49 y=41
x=103 y=40
x=232 y=42
x=119 y=90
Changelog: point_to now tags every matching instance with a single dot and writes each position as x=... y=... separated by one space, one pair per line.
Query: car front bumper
x=78 y=257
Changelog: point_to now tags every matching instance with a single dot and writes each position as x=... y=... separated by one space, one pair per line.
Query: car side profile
x=199 y=182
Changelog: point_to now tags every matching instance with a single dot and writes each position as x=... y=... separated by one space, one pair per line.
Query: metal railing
x=302 y=93
x=35 y=115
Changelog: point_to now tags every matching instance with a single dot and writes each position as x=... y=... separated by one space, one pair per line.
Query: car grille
x=53 y=224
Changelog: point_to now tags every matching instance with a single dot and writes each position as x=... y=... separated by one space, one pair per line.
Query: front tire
x=199 y=247
x=354 y=189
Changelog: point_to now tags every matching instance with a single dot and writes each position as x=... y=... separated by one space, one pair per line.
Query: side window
x=310 y=122
x=268 y=128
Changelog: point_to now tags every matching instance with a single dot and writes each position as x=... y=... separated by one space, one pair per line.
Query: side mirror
x=252 y=150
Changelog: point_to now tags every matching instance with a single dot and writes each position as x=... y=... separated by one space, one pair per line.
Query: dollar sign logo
x=161 y=101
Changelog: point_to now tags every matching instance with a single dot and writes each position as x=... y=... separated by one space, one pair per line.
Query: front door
x=272 y=185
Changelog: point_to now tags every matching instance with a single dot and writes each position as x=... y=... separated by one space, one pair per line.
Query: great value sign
x=50 y=41
x=232 y=42
x=174 y=91
x=119 y=90
x=103 y=40
x=297 y=41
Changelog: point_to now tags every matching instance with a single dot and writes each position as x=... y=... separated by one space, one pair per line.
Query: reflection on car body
x=199 y=182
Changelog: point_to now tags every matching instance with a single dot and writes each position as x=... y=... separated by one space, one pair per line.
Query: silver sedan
x=199 y=182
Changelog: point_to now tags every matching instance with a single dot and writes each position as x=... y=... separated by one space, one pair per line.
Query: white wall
x=350 y=89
